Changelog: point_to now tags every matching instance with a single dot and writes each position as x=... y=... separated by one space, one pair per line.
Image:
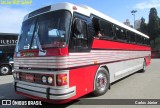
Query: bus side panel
x=83 y=79
x=124 y=68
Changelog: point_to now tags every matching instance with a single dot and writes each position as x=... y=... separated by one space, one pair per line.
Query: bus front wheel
x=102 y=81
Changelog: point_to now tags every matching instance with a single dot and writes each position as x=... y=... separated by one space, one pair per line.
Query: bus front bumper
x=44 y=91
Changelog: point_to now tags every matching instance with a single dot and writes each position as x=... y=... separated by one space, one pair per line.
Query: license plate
x=29 y=77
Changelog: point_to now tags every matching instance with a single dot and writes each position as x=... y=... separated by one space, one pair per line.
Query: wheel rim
x=4 y=70
x=101 y=81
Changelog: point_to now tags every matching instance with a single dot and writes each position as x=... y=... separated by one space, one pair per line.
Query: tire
x=5 y=70
x=102 y=82
x=144 y=66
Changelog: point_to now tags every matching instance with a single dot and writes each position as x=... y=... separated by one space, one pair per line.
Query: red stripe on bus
x=106 y=44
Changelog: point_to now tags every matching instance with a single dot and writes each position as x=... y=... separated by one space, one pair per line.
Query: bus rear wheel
x=5 y=70
x=101 y=82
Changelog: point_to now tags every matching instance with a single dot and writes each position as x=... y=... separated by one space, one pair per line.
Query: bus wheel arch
x=101 y=81
x=109 y=75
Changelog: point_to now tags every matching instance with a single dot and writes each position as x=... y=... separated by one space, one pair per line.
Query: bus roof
x=85 y=10
x=101 y=15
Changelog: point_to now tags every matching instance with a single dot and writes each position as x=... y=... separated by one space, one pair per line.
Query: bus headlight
x=50 y=80
x=44 y=79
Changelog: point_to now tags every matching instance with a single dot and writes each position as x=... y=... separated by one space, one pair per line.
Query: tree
x=143 y=26
x=159 y=25
x=153 y=24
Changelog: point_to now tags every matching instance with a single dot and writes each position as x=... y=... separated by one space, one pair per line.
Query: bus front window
x=46 y=30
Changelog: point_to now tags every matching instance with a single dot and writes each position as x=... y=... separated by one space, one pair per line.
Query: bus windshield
x=46 y=30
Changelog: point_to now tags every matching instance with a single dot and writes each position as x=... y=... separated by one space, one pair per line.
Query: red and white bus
x=58 y=57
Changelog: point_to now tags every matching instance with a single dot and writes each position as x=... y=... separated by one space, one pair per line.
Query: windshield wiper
x=37 y=39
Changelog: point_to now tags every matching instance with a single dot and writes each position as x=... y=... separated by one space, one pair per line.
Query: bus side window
x=106 y=28
x=132 y=37
x=79 y=38
x=96 y=26
x=118 y=33
x=148 y=42
x=127 y=36
x=124 y=35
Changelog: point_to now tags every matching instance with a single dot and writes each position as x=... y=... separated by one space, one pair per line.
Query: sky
x=11 y=16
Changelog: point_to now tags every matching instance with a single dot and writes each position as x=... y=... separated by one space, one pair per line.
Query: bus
x=59 y=58
x=7 y=47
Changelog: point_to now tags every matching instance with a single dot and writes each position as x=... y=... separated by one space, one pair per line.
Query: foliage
x=153 y=25
x=143 y=26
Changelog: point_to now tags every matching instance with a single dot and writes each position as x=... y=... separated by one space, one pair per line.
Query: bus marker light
x=95 y=62
x=74 y=8
x=61 y=79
